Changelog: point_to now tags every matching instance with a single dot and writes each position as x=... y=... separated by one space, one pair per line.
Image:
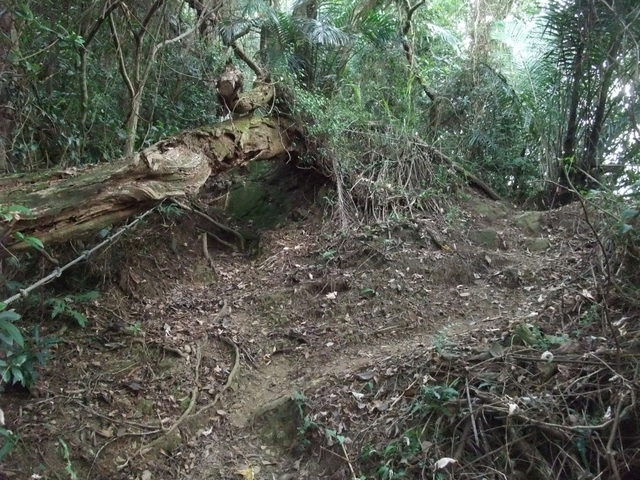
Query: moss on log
x=69 y=203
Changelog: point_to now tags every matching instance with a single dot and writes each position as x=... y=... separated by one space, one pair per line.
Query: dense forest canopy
x=527 y=94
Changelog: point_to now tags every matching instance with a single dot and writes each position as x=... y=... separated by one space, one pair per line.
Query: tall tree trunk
x=589 y=161
x=407 y=46
x=6 y=110
x=132 y=122
x=559 y=192
x=69 y=203
x=570 y=138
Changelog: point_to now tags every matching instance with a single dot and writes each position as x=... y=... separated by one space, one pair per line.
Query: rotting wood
x=73 y=202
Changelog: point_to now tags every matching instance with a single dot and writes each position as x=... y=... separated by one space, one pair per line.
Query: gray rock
x=539 y=244
x=486 y=238
x=530 y=222
x=489 y=209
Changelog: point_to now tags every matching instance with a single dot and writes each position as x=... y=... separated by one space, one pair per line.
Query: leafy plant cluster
x=615 y=221
x=19 y=356
x=389 y=462
x=22 y=352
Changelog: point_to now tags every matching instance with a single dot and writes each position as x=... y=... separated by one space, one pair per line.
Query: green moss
x=261 y=198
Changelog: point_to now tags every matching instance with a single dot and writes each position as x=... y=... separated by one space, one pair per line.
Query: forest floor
x=295 y=361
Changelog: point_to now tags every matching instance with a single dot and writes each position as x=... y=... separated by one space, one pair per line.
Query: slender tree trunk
x=408 y=47
x=132 y=122
x=558 y=193
x=6 y=110
x=570 y=139
x=89 y=33
x=589 y=162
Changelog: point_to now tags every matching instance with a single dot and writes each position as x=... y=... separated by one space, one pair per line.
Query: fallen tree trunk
x=72 y=202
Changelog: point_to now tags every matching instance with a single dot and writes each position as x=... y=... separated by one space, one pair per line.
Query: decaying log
x=233 y=100
x=229 y=86
x=72 y=202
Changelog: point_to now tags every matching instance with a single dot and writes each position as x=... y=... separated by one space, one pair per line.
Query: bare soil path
x=312 y=309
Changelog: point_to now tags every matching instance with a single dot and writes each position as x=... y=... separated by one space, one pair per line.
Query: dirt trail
x=312 y=309
x=476 y=288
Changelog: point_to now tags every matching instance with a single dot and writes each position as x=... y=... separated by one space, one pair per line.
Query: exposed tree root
x=230 y=379
x=194 y=397
x=192 y=402
x=214 y=222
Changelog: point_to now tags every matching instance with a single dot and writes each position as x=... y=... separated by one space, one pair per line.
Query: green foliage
x=30 y=240
x=14 y=212
x=333 y=436
x=66 y=455
x=19 y=356
x=616 y=222
x=443 y=343
x=307 y=425
x=370 y=135
x=57 y=127
x=368 y=293
x=532 y=336
x=9 y=333
x=135 y=329
x=494 y=123
x=12 y=363
x=328 y=255
x=389 y=462
x=590 y=317
x=65 y=307
x=170 y=211
x=434 y=398
x=498 y=100
x=8 y=440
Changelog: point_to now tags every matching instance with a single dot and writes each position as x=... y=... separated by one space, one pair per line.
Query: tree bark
x=589 y=161
x=408 y=47
x=69 y=203
x=570 y=138
x=6 y=73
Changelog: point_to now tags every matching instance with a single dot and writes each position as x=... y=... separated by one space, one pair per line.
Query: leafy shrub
x=64 y=307
x=19 y=357
x=8 y=440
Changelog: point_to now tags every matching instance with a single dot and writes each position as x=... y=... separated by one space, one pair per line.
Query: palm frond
x=284 y=26
x=446 y=35
x=379 y=27
x=323 y=33
x=231 y=31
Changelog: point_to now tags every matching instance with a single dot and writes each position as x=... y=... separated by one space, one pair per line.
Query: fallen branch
x=346 y=456
x=24 y=292
x=217 y=224
x=219 y=240
x=473 y=179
